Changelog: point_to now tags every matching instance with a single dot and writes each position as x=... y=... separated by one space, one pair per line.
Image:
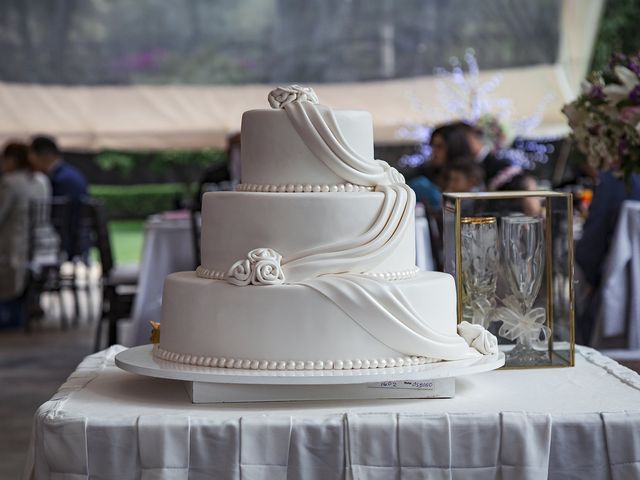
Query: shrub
x=139 y=201
x=178 y=165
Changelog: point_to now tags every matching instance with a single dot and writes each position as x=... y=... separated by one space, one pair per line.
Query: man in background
x=484 y=155
x=66 y=181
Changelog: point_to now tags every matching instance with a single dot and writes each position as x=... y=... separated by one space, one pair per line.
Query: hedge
x=139 y=201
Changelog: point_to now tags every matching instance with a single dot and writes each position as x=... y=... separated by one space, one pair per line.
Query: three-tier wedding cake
x=310 y=264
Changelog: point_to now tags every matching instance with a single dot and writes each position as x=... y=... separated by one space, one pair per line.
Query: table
x=581 y=422
x=424 y=256
x=168 y=247
x=620 y=290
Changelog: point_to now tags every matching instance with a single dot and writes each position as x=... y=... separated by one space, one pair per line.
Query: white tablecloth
x=168 y=248
x=561 y=423
x=424 y=256
x=621 y=278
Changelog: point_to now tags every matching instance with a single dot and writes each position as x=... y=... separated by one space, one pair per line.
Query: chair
x=119 y=284
x=48 y=222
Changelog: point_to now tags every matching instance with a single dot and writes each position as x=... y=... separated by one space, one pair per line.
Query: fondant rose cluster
x=282 y=96
x=478 y=337
x=261 y=267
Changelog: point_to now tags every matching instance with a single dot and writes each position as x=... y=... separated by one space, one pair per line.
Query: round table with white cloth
x=168 y=248
x=620 y=290
x=556 y=423
x=424 y=255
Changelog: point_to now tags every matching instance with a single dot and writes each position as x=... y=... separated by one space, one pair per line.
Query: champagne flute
x=523 y=256
x=479 y=241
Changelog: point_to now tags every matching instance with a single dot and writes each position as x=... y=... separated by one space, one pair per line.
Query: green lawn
x=126 y=240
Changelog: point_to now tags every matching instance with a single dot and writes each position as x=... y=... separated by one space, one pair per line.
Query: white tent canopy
x=181 y=117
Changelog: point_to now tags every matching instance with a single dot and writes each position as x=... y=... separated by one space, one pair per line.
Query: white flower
x=626 y=76
x=240 y=273
x=585 y=87
x=282 y=96
x=261 y=267
x=267 y=272
x=258 y=254
x=478 y=337
x=614 y=93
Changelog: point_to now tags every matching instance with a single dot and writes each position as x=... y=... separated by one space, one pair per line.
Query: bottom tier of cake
x=285 y=327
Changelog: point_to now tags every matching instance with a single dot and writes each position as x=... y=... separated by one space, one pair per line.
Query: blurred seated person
x=514 y=178
x=19 y=185
x=447 y=141
x=483 y=154
x=463 y=175
x=592 y=248
x=66 y=181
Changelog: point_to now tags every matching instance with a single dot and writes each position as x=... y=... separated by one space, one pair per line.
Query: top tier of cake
x=273 y=153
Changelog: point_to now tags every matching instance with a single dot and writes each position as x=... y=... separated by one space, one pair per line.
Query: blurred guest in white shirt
x=19 y=186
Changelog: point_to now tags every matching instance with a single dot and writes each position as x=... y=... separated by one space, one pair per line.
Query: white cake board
x=217 y=385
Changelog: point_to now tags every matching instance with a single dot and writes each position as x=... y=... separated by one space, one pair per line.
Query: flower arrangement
x=605 y=118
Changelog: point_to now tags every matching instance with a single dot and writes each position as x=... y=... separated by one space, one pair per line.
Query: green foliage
x=180 y=163
x=139 y=201
x=618 y=31
x=177 y=159
x=118 y=161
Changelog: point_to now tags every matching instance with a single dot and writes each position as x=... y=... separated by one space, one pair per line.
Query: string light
x=465 y=96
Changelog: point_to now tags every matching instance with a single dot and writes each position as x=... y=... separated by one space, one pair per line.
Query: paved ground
x=34 y=365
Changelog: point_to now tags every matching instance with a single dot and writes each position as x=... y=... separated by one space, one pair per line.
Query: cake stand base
x=203 y=392
x=222 y=385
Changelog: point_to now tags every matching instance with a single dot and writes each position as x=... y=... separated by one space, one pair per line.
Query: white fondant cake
x=310 y=264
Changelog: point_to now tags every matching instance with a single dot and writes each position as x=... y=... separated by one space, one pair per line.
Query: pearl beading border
x=223 y=362
x=300 y=188
x=210 y=274
x=203 y=272
x=391 y=276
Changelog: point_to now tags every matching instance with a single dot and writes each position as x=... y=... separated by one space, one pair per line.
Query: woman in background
x=447 y=142
x=19 y=185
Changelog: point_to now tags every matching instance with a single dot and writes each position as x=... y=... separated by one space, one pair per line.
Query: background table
x=424 y=256
x=168 y=247
x=620 y=291
x=581 y=422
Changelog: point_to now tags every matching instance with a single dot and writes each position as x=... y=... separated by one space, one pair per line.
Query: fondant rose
x=267 y=272
x=240 y=273
x=486 y=343
x=282 y=96
x=261 y=267
x=478 y=337
x=258 y=254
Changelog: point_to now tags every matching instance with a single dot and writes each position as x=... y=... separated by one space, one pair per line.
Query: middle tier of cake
x=234 y=223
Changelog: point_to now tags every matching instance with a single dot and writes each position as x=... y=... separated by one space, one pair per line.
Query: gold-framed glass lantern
x=511 y=254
